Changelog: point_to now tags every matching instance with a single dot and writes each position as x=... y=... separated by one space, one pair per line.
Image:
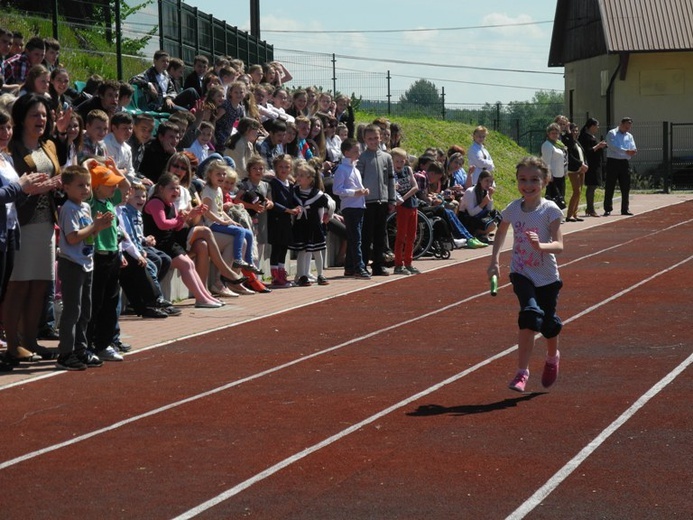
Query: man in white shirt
x=620 y=149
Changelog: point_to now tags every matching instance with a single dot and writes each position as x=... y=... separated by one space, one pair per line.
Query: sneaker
x=322 y=280
x=71 y=362
x=380 y=272
x=459 y=242
x=474 y=243
x=519 y=381
x=362 y=274
x=121 y=347
x=550 y=373
x=303 y=281
x=401 y=270
x=90 y=359
x=109 y=354
x=412 y=269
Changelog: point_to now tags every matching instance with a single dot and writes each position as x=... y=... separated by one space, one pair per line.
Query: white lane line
x=232 y=384
x=340 y=435
x=563 y=473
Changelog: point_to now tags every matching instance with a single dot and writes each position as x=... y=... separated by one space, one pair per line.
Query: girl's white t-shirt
x=217 y=198
x=540 y=267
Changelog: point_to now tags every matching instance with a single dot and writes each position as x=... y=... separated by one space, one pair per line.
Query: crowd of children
x=227 y=168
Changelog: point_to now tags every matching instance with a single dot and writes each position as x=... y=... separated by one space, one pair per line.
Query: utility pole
x=255 y=18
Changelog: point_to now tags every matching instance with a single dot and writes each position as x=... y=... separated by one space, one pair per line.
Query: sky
x=433 y=40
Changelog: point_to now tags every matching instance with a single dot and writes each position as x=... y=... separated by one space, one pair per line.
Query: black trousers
x=105 y=296
x=617 y=170
x=373 y=236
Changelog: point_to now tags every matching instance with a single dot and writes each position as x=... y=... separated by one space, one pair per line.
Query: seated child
x=219 y=222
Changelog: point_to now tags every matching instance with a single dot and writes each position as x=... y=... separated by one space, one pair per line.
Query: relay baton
x=494 y=285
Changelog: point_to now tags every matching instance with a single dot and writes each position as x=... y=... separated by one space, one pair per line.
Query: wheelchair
x=433 y=236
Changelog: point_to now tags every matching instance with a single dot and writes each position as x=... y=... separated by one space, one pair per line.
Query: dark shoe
x=162 y=303
x=593 y=214
x=237 y=281
x=412 y=269
x=121 y=347
x=49 y=333
x=171 y=310
x=381 y=272
x=303 y=281
x=90 y=359
x=71 y=362
x=570 y=219
x=243 y=265
x=322 y=280
x=349 y=273
x=578 y=219
x=399 y=269
x=47 y=354
x=626 y=213
x=363 y=275
x=150 y=312
x=607 y=213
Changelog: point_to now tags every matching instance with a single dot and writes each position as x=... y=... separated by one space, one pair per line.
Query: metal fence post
x=161 y=24
x=119 y=41
x=442 y=102
x=56 y=34
x=334 y=74
x=389 y=94
x=667 y=154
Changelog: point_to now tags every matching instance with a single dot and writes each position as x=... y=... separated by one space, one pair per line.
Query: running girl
x=533 y=269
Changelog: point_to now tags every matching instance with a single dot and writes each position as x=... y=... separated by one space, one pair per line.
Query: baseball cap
x=104 y=176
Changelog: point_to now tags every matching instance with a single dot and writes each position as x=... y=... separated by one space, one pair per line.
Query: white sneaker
x=109 y=354
x=459 y=242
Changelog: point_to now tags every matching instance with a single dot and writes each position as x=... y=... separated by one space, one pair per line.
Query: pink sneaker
x=519 y=381
x=550 y=374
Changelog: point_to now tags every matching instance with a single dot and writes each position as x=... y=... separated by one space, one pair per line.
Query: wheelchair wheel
x=424 y=233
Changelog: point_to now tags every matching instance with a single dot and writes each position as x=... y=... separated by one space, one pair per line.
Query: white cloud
x=523 y=31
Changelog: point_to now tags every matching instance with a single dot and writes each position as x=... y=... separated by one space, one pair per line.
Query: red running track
x=388 y=403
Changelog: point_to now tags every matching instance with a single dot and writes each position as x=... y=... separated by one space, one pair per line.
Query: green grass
x=421 y=133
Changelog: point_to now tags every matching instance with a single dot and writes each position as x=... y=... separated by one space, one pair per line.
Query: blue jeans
x=458 y=229
x=353 y=221
x=240 y=235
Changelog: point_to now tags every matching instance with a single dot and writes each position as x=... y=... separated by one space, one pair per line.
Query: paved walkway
x=151 y=333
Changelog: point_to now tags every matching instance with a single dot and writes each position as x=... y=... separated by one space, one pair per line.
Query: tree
x=422 y=96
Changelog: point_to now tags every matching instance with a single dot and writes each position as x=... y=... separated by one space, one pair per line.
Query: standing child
x=75 y=268
x=348 y=186
x=377 y=174
x=109 y=188
x=406 y=208
x=309 y=233
x=533 y=269
x=279 y=229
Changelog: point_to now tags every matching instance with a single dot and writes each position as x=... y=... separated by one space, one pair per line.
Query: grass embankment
x=422 y=133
